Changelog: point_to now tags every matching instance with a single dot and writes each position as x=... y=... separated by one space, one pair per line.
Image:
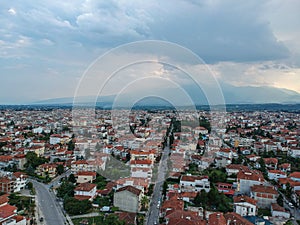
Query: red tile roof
x=251 y=175
x=7 y=211
x=236 y=219
x=4 y=199
x=243 y=198
x=85 y=187
x=295 y=175
x=264 y=189
x=131 y=189
x=217 y=219
x=277 y=207
x=82 y=197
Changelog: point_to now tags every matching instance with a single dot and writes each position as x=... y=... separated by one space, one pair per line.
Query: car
x=41 y=219
x=291 y=205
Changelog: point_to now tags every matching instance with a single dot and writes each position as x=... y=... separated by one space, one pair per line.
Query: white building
x=20 y=181
x=87 y=190
x=245 y=206
x=276 y=174
x=246 y=179
x=194 y=183
x=278 y=211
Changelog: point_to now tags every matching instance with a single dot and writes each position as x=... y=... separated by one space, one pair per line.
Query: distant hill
x=232 y=95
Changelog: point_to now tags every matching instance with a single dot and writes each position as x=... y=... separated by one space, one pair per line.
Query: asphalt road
x=47 y=206
x=155 y=203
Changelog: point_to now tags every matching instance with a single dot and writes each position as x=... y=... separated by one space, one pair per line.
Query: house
x=47 y=169
x=79 y=165
x=265 y=195
x=56 y=139
x=278 y=211
x=141 y=172
x=129 y=218
x=6 y=160
x=235 y=169
x=85 y=176
x=194 y=183
x=245 y=206
x=253 y=158
x=141 y=163
x=7 y=185
x=284 y=181
x=37 y=149
x=171 y=205
x=140 y=183
x=85 y=191
x=181 y=217
x=226 y=188
x=233 y=218
x=225 y=153
x=217 y=219
x=295 y=176
x=21 y=180
x=142 y=155
x=222 y=162
x=128 y=199
x=276 y=174
x=294 y=152
x=246 y=179
x=8 y=213
x=271 y=163
x=20 y=161
x=285 y=167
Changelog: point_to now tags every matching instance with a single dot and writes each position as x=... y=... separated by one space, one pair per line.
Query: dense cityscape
x=152 y=167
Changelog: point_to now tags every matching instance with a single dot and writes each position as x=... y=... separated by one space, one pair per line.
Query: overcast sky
x=46 y=46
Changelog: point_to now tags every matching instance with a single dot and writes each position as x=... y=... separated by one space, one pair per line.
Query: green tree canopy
x=66 y=189
x=77 y=207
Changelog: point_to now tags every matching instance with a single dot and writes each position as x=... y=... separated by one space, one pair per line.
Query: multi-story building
x=128 y=199
x=265 y=195
x=194 y=183
x=246 y=179
x=245 y=206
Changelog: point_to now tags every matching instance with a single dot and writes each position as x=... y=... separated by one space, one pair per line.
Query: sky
x=47 y=46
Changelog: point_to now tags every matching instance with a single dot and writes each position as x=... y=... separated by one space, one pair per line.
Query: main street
x=47 y=206
x=153 y=213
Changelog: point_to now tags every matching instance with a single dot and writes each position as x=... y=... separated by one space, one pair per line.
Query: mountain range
x=232 y=95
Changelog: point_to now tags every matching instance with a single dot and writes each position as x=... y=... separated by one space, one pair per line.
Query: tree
x=66 y=189
x=76 y=207
x=29 y=185
x=203 y=122
x=113 y=219
x=33 y=160
x=288 y=191
x=262 y=167
x=60 y=169
x=201 y=199
x=280 y=200
x=165 y=187
x=72 y=178
x=71 y=145
x=144 y=203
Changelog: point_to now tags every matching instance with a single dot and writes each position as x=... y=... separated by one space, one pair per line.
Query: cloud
x=237 y=39
x=12 y=11
x=268 y=73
